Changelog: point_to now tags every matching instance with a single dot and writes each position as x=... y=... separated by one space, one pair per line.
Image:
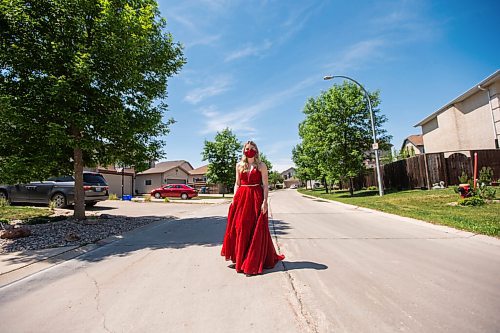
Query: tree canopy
x=265 y=160
x=275 y=177
x=336 y=133
x=222 y=156
x=81 y=84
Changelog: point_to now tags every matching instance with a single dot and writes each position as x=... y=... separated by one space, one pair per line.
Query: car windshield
x=93 y=178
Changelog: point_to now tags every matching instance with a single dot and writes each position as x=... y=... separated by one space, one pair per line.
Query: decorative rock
x=55 y=234
x=13 y=233
x=71 y=237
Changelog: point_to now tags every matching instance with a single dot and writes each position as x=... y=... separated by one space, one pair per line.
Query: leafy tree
x=303 y=155
x=79 y=85
x=222 y=156
x=275 y=177
x=264 y=159
x=337 y=133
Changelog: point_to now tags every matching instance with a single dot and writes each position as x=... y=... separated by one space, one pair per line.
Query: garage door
x=175 y=181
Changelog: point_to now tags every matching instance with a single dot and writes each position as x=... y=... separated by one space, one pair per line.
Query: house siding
x=466 y=125
x=140 y=185
x=115 y=183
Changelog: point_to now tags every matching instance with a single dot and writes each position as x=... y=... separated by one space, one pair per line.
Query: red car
x=175 y=191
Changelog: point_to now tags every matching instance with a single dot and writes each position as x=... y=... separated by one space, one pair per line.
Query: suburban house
x=470 y=121
x=289 y=177
x=170 y=172
x=413 y=145
x=198 y=179
x=116 y=176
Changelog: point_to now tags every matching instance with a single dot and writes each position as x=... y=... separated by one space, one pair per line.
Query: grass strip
x=430 y=206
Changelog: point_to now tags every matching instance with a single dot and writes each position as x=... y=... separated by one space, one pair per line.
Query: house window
x=147 y=182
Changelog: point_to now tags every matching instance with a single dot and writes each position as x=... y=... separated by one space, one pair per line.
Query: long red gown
x=247 y=241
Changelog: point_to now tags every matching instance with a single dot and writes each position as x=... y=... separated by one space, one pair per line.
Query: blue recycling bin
x=127 y=197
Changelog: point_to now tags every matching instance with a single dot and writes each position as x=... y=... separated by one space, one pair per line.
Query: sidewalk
x=15 y=266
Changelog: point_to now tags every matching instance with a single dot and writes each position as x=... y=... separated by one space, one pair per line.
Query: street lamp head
x=328 y=77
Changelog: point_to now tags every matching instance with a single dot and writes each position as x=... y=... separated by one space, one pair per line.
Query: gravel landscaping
x=69 y=232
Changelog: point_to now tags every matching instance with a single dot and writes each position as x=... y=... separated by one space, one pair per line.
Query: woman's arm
x=237 y=183
x=265 y=185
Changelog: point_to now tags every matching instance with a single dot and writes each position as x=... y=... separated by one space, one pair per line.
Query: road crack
x=302 y=314
x=97 y=300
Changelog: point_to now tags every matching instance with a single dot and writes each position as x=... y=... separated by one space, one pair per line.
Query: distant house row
x=469 y=122
x=170 y=172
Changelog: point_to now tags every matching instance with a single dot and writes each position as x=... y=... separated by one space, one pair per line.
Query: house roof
x=199 y=171
x=416 y=139
x=289 y=169
x=164 y=167
x=486 y=82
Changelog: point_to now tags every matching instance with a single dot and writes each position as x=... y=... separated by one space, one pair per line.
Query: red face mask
x=250 y=153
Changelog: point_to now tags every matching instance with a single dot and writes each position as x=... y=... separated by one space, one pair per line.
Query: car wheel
x=3 y=195
x=60 y=200
x=157 y=195
x=91 y=204
x=184 y=196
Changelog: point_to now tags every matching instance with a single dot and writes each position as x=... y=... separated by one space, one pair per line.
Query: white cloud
x=281 y=164
x=217 y=87
x=358 y=55
x=204 y=40
x=278 y=147
x=249 y=50
x=243 y=118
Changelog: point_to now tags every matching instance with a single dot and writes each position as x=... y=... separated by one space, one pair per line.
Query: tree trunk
x=79 y=212
x=325 y=184
x=351 y=186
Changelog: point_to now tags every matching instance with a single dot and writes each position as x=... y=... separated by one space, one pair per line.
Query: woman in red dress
x=247 y=241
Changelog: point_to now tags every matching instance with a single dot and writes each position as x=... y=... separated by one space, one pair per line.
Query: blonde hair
x=243 y=164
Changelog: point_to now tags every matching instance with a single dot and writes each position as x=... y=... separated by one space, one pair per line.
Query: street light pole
x=375 y=144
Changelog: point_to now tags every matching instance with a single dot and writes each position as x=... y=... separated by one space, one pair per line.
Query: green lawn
x=431 y=206
x=9 y=213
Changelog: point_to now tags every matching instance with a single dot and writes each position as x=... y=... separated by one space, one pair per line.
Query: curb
x=447 y=229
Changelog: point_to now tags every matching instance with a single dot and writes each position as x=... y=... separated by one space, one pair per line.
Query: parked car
x=60 y=190
x=293 y=186
x=174 y=191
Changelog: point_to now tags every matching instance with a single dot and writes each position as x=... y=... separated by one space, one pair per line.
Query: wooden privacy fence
x=422 y=171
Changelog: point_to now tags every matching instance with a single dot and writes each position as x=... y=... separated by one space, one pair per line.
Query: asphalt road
x=346 y=270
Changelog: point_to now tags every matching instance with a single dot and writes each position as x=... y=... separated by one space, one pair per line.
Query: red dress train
x=247 y=241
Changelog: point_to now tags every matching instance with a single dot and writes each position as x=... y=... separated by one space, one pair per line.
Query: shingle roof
x=417 y=139
x=164 y=167
x=199 y=171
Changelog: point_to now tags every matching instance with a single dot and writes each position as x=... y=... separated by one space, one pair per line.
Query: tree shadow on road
x=161 y=233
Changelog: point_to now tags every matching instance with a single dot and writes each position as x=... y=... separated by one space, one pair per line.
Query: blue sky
x=251 y=65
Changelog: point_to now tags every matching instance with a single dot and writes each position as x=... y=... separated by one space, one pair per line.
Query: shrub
x=472 y=201
x=4 y=202
x=487 y=192
x=113 y=196
x=485 y=175
x=166 y=200
x=372 y=188
x=464 y=178
x=147 y=198
x=52 y=205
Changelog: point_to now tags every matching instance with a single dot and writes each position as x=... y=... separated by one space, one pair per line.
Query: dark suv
x=61 y=190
